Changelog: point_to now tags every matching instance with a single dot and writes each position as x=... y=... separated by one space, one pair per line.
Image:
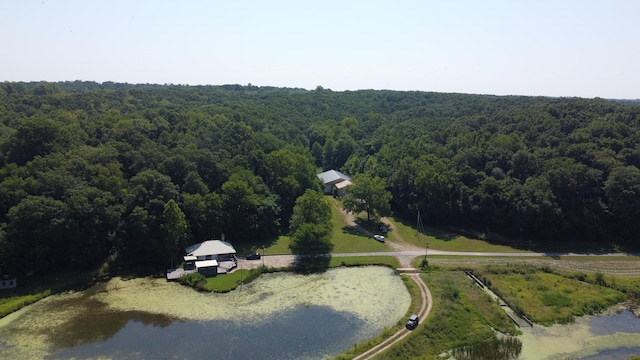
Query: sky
x=518 y=47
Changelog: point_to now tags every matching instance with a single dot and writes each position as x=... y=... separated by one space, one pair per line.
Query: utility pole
x=426 y=249
x=421 y=229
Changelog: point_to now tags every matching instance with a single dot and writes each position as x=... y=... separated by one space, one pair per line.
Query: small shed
x=207 y=267
x=341 y=188
x=8 y=282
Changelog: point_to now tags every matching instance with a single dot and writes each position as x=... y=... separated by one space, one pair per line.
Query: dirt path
x=406 y=252
x=425 y=309
x=400 y=245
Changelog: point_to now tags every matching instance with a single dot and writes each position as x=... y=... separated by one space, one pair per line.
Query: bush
x=194 y=280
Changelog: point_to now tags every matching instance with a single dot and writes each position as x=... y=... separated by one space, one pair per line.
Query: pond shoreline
x=352 y=294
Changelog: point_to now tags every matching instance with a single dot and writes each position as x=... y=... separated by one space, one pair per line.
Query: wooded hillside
x=89 y=171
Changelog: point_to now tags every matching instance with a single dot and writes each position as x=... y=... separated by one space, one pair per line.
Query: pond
x=611 y=336
x=279 y=316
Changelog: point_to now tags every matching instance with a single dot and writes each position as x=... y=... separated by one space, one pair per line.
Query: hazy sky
x=553 y=48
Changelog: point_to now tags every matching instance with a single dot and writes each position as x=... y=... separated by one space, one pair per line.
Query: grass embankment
x=14 y=302
x=441 y=239
x=462 y=314
x=229 y=282
x=364 y=260
x=414 y=308
x=40 y=288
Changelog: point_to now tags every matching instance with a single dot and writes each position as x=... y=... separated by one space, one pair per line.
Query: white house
x=209 y=258
x=219 y=250
x=334 y=178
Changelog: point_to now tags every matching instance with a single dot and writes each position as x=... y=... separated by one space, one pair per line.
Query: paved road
x=288 y=260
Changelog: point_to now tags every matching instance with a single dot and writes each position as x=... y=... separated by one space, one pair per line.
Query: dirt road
x=425 y=309
x=406 y=253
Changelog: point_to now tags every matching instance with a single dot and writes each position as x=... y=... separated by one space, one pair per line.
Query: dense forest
x=93 y=173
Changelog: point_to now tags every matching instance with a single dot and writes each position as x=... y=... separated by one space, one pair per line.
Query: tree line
x=131 y=173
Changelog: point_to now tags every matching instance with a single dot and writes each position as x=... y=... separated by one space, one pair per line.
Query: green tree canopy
x=312 y=207
x=311 y=239
x=368 y=194
x=174 y=228
x=310 y=225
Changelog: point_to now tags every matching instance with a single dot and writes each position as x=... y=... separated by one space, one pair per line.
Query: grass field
x=621 y=267
x=461 y=314
x=546 y=297
x=345 y=238
x=440 y=239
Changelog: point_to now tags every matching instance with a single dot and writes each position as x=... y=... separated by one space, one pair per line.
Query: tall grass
x=505 y=348
x=546 y=297
x=455 y=319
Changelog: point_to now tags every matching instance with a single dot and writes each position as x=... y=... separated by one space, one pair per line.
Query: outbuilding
x=8 y=282
x=207 y=267
x=334 y=179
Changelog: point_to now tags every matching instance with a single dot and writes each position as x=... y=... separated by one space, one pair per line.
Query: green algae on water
x=374 y=294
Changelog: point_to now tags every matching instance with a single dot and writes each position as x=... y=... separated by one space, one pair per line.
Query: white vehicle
x=379 y=237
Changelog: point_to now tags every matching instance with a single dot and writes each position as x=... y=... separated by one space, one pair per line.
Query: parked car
x=254 y=256
x=379 y=237
x=413 y=322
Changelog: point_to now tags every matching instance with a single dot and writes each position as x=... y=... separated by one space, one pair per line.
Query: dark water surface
x=279 y=316
x=311 y=333
x=625 y=321
x=302 y=333
x=615 y=354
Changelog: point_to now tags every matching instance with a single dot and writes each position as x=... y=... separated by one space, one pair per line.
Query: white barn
x=334 y=178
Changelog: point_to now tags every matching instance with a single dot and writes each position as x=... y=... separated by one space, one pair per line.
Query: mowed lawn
x=345 y=238
x=439 y=239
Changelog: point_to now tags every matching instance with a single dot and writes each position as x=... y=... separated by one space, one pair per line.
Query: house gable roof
x=332 y=177
x=210 y=247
